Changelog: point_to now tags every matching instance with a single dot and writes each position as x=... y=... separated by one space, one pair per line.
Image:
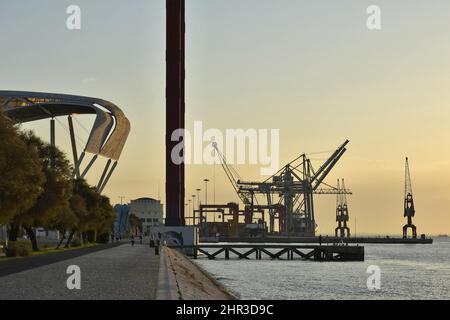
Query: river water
x=407 y=272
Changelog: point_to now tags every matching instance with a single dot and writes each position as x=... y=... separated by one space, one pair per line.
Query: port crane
x=409 y=211
x=294 y=185
x=342 y=216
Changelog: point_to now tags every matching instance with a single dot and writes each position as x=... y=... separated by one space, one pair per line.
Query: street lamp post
x=198 y=203
x=206 y=196
x=206 y=190
x=198 y=198
x=193 y=206
x=189 y=211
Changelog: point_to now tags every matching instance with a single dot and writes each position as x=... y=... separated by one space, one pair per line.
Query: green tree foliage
x=105 y=215
x=79 y=210
x=93 y=211
x=67 y=219
x=86 y=219
x=37 y=190
x=135 y=224
x=54 y=200
x=21 y=177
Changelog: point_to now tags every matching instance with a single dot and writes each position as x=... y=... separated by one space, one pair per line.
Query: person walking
x=132 y=241
x=140 y=239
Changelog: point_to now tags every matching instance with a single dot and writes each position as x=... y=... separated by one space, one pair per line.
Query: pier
x=324 y=240
x=279 y=252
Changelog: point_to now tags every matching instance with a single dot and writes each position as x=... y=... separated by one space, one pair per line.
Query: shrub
x=75 y=243
x=19 y=248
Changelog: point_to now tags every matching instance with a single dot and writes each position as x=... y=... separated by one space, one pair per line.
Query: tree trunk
x=69 y=239
x=13 y=232
x=62 y=239
x=32 y=236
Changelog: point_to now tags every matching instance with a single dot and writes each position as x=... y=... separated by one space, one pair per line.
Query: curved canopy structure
x=108 y=134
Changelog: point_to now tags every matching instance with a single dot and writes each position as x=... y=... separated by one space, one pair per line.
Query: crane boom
x=325 y=169
x=231 y=177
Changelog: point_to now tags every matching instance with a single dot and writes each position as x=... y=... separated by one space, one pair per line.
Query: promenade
x=109 y=272
x=115 y=273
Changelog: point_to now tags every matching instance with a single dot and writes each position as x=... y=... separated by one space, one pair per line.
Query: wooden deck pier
x=280 y=252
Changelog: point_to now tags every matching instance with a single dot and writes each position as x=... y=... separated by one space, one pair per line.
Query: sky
x=313 y=70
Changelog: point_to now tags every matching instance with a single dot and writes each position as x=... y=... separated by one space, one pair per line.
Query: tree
x=92 y=198
x=37 y=190
x=79 y=208
x=105 y=218
x=67 y=219
x=57 y=188
x=95 y=216
x=21 y=178
x=135 y=224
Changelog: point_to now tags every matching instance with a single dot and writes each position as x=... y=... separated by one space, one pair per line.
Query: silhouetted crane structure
x=409 y=210
x=294 y=185
x=342 y=216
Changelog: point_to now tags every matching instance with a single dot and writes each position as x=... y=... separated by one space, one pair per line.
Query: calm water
x=407 y=272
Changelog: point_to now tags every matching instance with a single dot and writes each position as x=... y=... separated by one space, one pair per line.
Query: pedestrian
x=320 y=240
x=132 y=241
x=140 y=239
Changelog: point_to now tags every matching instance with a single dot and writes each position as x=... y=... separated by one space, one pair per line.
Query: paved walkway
x=118 y=273
x=18 y=265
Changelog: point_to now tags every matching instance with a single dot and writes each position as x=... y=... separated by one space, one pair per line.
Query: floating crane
x=342 y=216
x=409 y=211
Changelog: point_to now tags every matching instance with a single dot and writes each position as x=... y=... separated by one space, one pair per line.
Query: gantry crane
x=409 y=211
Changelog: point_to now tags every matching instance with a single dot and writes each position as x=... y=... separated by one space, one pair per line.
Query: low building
x=45 y=234
x=149 y=210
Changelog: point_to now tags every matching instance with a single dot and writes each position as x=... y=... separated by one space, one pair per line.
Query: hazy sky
x=311 y=69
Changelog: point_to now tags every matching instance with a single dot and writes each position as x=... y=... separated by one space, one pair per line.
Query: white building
x=42 y=233
x=149 y=210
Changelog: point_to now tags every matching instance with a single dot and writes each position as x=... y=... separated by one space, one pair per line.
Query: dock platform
x=323 y=240
x=279 y=252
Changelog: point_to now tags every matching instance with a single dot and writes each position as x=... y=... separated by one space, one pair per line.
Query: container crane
x=295 y=184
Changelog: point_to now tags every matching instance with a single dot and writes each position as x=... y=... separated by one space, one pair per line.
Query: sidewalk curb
x=167 y=287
